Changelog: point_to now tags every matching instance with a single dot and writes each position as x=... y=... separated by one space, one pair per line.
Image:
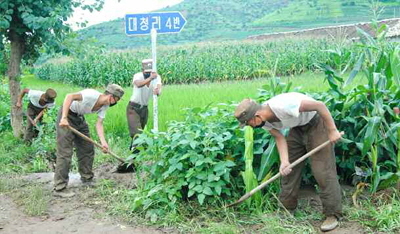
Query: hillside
x=216 y=20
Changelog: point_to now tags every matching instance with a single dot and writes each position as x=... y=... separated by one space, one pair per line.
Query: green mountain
x=217 y=20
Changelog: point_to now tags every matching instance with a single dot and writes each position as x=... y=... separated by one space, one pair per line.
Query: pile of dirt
x=108 y=171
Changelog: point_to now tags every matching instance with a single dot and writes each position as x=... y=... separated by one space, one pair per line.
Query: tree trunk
x=14 y=72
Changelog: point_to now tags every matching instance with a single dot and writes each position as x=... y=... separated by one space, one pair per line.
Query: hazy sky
x=113 y=9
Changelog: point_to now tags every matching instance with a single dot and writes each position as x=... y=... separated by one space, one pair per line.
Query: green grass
x=34 y=198
x=301 y=14
x=379 y=214
x=175 y=98
x=172 y=104
x=9 y=183
x=303 y=10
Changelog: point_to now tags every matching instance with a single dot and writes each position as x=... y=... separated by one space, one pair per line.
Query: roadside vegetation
x=189 y=171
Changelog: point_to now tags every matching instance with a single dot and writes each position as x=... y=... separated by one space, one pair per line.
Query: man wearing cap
x=38 y=102
x=75 y=106
x=310 y=124
x=145 y=84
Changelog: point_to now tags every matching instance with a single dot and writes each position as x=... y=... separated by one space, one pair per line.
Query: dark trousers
x=31 y=131
x=323 y=165
x=66 y=140
x=137 y=117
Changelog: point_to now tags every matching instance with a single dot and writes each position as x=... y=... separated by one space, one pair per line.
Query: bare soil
x=78 y=214
x=84 y=214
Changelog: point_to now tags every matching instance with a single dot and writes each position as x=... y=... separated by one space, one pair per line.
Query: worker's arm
x=320 y=107
x=40 y=115
x=66 y=105
x=141 y=83
x=100 y=133
x=283 y=151
x=21 y=95
x=157 y=90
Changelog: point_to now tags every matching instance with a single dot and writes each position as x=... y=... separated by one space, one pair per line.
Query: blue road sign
x=163 y=22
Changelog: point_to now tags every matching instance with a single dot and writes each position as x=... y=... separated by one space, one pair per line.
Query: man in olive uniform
x=38 y=102
x=310 y=124
x=145 y=84
x=75 y=106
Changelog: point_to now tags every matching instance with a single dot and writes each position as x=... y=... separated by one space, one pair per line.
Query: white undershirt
x=286 y=108
x=143 y=94
x=85 y=106
x=34 y=98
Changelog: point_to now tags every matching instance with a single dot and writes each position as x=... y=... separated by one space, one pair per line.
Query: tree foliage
x=39 y=23
x=29 y=25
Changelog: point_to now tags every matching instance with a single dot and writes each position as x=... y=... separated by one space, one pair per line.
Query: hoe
x=295 y=163
x=123 y=167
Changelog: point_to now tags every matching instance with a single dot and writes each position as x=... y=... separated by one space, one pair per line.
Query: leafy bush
x=194 y=159
x=200 y=158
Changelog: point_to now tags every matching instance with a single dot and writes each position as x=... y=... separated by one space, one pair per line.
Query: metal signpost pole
x=155 y=96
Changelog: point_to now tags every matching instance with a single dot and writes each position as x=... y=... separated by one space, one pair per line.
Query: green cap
x=115 y=90
x=246 y=110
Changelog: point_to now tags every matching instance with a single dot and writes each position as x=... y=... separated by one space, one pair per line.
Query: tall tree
x=28 y=25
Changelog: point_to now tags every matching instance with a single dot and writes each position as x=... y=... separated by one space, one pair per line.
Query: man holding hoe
x=75 y=106
x=39 y=101
x=310 y=124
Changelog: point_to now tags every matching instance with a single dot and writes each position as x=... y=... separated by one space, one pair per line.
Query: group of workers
x=309 y=121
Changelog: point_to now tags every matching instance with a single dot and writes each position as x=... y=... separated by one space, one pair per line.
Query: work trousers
x=66 y=140
x=31 y=131
x=137 y=116
x=301 y=140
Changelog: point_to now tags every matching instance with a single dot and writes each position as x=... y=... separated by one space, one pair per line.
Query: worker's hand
x=334 y=136
x=105 y=147
x=64 y=122
x=18 y=105
x=153 y=75
x=156 y=91
x=284 y=168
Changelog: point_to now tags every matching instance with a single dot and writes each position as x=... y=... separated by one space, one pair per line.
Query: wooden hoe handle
x=94 y=143
x=295 y=163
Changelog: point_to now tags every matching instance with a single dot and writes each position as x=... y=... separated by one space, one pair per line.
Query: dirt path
x=84 y=214
x=64 y=215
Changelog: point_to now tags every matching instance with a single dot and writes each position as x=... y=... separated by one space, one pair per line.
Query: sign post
x=153 y=23
x=155 y=96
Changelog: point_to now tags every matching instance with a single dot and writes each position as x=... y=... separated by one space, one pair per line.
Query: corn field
x=195 y=63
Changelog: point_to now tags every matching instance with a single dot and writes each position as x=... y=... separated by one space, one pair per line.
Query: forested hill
x=216 y=20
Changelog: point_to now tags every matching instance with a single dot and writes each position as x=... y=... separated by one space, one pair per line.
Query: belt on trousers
x=137 y=105
x=308 y=125
x=74 y=114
